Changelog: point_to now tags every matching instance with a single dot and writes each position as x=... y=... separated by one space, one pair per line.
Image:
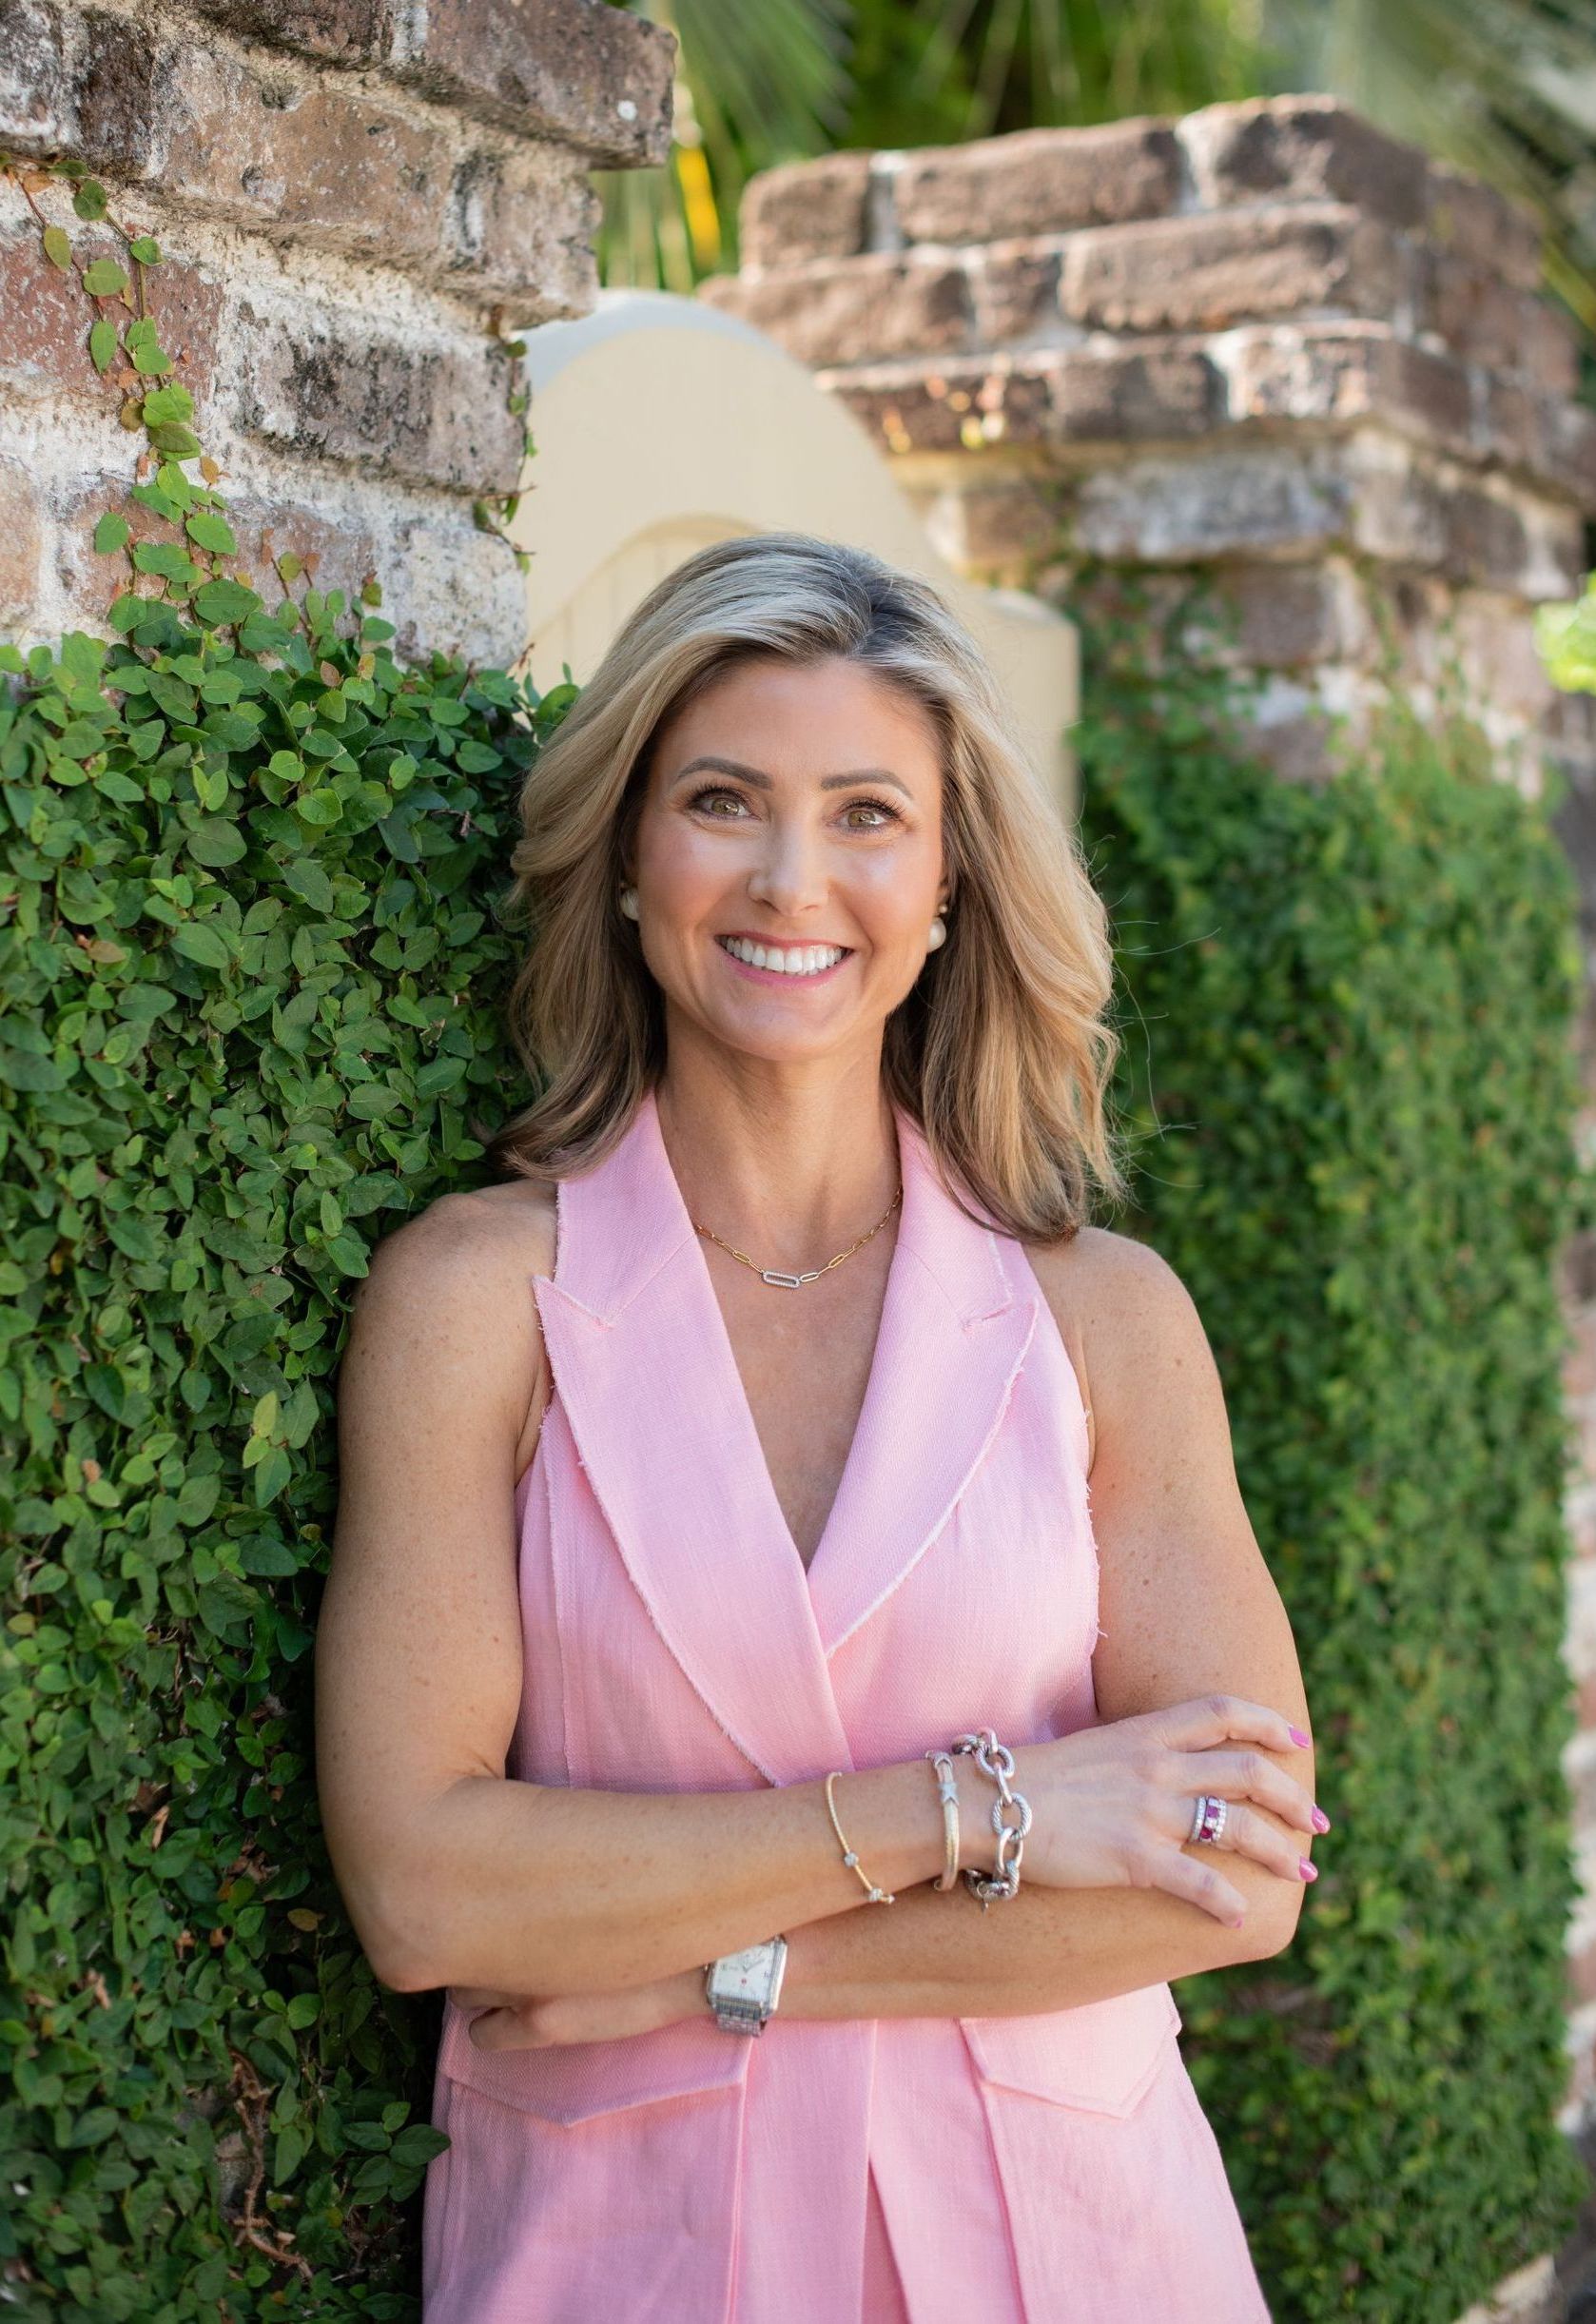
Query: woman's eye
x=878 y=809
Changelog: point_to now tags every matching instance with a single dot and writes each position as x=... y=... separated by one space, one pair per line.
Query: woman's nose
x=790 y=869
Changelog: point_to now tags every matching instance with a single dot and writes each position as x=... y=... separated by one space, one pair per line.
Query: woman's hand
x=1111 y=1805
x=528 y=2022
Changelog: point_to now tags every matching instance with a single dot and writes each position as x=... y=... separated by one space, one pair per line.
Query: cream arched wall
x=661 y=425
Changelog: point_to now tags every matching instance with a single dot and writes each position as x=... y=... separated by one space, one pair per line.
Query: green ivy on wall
x=252 y=975
x=251 y=968
x=1350 y=1086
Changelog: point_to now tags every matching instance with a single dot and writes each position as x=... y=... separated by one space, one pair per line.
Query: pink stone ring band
x=1208 y=1818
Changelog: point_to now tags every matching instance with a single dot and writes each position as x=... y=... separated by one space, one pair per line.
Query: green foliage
x=1349 y=1087
x=252 y=973
x=1566 y=639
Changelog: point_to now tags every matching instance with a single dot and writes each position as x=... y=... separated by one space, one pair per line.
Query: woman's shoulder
x=446 y=1310
x=1112 y=1299
x=450 y=1239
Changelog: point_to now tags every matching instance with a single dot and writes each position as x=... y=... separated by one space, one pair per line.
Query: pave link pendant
x=781 y=1279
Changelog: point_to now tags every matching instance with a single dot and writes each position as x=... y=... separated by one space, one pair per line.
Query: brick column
x=352 y=198
x=1263 y=338
x=1267 y=341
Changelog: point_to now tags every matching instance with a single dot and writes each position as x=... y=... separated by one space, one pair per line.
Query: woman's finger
x=1199 y=1883
x=1208 y=1719
x=1254 y=1835
x=1243 y=1775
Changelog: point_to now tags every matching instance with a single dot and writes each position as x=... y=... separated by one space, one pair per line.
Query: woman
x=724 y=1688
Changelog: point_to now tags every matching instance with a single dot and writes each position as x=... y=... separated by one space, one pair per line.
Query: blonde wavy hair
x=1002 y=1052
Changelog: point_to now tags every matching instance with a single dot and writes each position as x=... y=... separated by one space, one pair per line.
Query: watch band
x=742 y=1989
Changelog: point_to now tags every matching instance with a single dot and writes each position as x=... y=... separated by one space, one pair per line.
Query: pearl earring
x=628 y=902
x=938 y=931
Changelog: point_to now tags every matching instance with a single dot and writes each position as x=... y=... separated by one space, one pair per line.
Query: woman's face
x=816 y=835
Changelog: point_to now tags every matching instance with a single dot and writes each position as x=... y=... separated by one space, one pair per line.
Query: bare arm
x=450 y=1873
x=1187 y=1607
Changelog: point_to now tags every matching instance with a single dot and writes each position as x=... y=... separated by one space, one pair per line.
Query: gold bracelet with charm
x=875 y=1895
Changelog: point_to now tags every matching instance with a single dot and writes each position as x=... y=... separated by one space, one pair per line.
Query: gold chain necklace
x=794 y=1282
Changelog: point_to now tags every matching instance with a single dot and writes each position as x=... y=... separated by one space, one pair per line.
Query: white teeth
x=806 y=960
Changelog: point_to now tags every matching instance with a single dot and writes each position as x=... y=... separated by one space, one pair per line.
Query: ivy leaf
x=146 y=249
x=104 y=278
x=179 y=441
x=163 y=556
x=309 y=882
x=219 y=602
x=58 y=247
x=215 y=842
x=88 y=199
x=173 y=402
x=211 y=532
x=111 y=531
x=102 y=343
x=202 y=941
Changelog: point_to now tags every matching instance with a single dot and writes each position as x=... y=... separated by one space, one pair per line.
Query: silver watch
x=742 y=1987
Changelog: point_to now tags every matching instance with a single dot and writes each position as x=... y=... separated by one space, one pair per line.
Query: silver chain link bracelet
x=996 y=1760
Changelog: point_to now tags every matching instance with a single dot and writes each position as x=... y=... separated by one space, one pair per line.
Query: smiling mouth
x=795 y=961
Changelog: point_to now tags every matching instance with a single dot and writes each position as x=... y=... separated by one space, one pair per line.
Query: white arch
x=661 y=425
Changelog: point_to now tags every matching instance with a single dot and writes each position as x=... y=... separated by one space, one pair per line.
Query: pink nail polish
x=1297 y=1736
x=1309 y=1871
x=1321 y=1822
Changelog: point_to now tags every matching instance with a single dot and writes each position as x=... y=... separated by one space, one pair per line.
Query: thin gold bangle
x=876 y=1895
x=947 y=1791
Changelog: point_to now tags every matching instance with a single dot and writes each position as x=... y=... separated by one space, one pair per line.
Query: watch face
x=753 y=1975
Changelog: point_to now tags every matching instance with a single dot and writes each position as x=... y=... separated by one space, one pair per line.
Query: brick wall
x=347 y=194
x=1264 y=339
x=1266 y=342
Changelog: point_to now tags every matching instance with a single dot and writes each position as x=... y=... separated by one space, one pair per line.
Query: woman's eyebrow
x=762 y=781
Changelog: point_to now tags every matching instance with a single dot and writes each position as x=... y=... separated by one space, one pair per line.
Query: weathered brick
x=1038 y=182
x=1496 y=646
x=1345 y=372
x=1293 y=616
x=37 y=113
x=455 y=587
x=1479 y=224
x=1204 y=273
x=343 y=31
x=951 y=407
x=1133 y=395
x=1476 y=532
x=1302 y=149
x=833 y=311
x=336 y=549
x=550 y=67
x=1565 y=449
x=522 y=225
x=1492 y=322
x=302 y=158
x=804 y=209
x=1176 y=510
x=996 y=528
x=334 y=387
x=117 y=94
x=45 y=346
x=1014 y=291
x=1298 y=747
x=21 y=545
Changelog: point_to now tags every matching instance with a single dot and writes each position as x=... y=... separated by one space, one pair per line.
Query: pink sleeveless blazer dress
x=1046 y=2169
